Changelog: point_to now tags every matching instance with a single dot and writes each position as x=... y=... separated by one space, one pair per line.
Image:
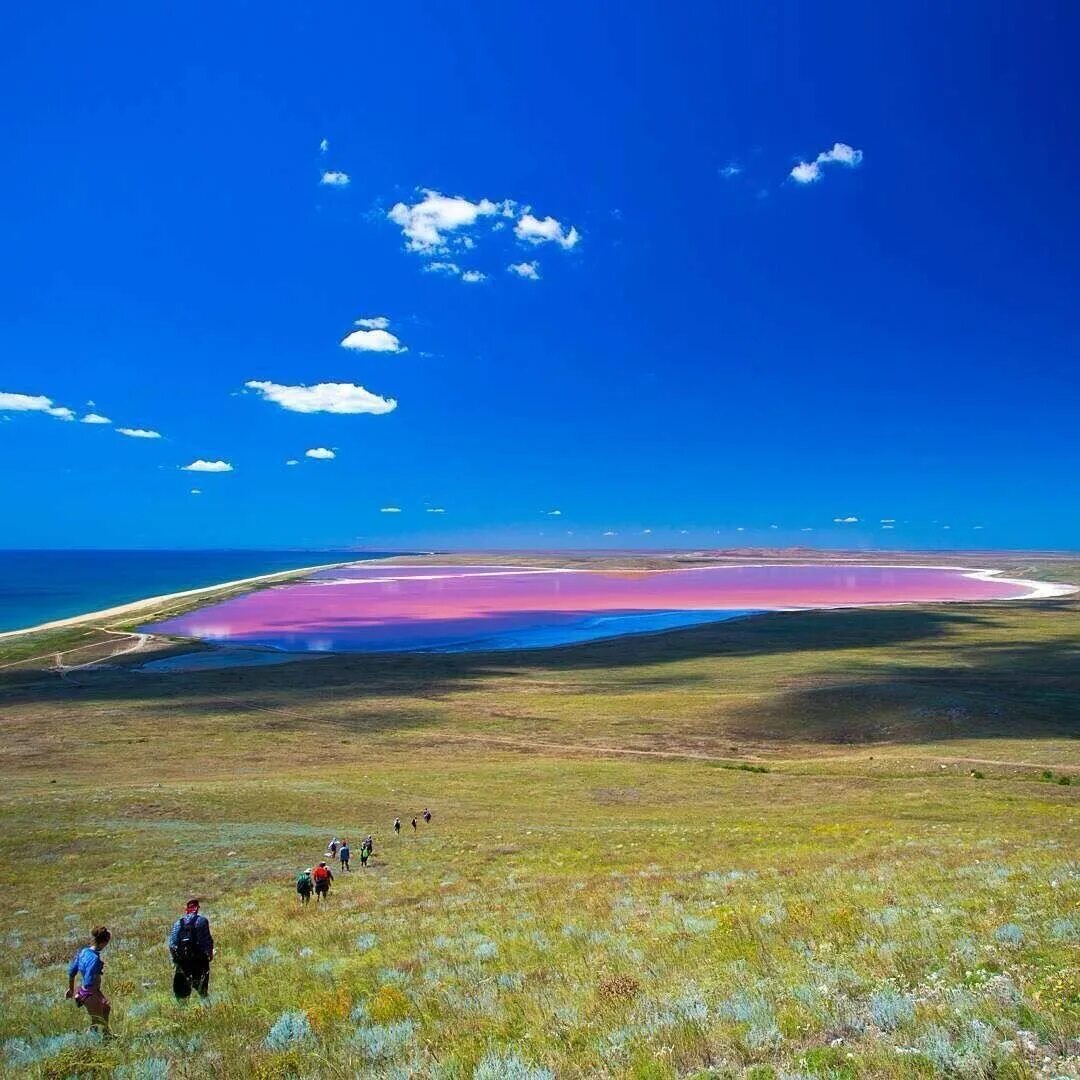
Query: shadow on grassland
x=871 y=674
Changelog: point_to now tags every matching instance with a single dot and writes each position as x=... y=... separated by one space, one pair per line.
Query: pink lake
x=387 y=608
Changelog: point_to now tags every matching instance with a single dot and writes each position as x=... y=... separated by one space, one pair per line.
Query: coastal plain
x=828 y=843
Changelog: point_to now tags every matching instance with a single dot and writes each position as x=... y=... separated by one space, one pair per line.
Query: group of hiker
x=191 y=945
x=318 y=879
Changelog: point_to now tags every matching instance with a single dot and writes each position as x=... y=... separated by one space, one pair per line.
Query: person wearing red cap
x=192 y=947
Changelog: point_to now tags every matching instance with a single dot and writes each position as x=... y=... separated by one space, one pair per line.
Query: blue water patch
x=41 y=586
x=593 y=628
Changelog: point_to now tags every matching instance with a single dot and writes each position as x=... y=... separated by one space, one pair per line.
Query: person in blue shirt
x=343 y=854
x=89 y=967
x=192 y=949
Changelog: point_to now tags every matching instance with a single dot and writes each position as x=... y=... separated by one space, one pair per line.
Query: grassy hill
x=837 y=844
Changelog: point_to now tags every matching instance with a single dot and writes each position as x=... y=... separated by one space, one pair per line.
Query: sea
x=41 y=586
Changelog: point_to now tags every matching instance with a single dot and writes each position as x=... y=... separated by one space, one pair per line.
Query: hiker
x=322 y=875
x=192 y=949
x=343 y=854
x=332 y=847
x=427 y=816
x=89 y=966
x=414 y=824
x=304 y=885
x=365 y=852
x=397 y=825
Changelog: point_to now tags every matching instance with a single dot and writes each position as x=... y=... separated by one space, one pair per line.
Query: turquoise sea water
x=40 y=586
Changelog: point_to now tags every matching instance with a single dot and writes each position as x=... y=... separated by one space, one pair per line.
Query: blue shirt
x=344 y=852
x=201 y=925
x=88 y=965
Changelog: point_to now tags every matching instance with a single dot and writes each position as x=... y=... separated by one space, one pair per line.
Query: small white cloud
x=740 y=528
x=435 y=510
x=774 y=526
x=888 y=521
x=320 y=453
x=139 y=433
x=845 y=520
x=375 y=322
x=807 y=529
x=807 y=172
x=324 y=145
x=611 y=532
x=390 y=510
x=472 y=276
x=196 y=491
x=646 y=532
x=292 y=461
x=95 y=418
x=547 y=230
x=427 y=223
x=554 y=513
x=334 y=179
x=372 y=341
x=199 y=465
x=976 y=526
x=530 y=270
x=34 y=403
x=731 y=169
x=888 y=526
x=343 y=398
x=442 y=267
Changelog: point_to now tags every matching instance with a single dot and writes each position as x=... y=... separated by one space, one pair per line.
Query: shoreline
x=133 y=606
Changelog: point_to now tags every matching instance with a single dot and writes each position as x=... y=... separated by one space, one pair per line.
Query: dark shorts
x=192 y=975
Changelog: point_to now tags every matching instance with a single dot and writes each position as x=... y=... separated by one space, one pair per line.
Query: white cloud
x=610 y=532
x=807 y=172
x=535 y=230
x=323 y=397
x=774 y=526
x=139 y=433
x=530 y=270
x=888 y=521
x=196 y=491
x=888 y=526
x=472 y=276
x=345 y=398
x=373 y=341
x=740 y=528
x=390 y=510
x=199 y=465
x=292 y=461
x=320 y=453
x=646 y=532
x=845 y=520
x=334 y=179
x=426 y=223
x=440 y=510
x=324 y=145
x=95 y=418
x=34 y=403
x=554 y=513
x=376 y=322
x=731 y=169
x=976 y=526
x=442 y=268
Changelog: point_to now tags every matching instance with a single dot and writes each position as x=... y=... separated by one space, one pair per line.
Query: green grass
x=749 y=850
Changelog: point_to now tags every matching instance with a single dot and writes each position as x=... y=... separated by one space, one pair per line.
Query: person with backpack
x=343 y=854
x=397 y=825
x=366 y=848
x=322 y=875
x=89 y=967
x=427 y=816
x=332 y=847
x=414 y=824
x=304 y=885
x=192 y=948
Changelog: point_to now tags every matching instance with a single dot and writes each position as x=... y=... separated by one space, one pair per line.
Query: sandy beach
x=136 y=606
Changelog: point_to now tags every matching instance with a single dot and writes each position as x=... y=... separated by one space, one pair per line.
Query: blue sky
x=709 y=347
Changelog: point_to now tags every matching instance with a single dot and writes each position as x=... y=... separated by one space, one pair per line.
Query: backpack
x=321 y=874
x=303 y=882
x=187 y=941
